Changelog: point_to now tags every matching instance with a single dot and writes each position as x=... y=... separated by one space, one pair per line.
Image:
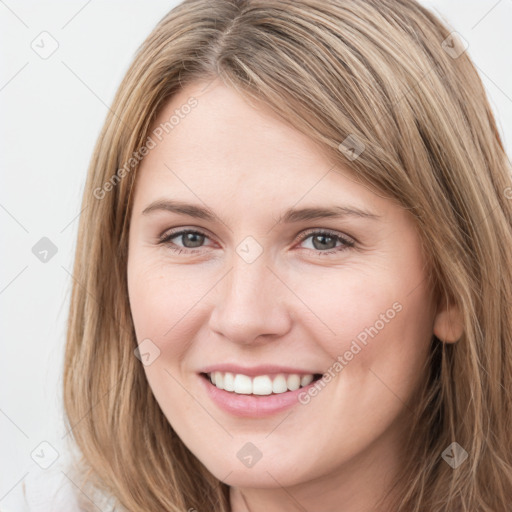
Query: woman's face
x=270 y=279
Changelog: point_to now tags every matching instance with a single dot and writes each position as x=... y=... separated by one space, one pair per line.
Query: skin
x=293 y=305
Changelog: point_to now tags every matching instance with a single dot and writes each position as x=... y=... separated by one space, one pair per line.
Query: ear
x=448 y=325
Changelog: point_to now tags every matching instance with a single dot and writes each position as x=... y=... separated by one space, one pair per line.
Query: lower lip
x=253 y=406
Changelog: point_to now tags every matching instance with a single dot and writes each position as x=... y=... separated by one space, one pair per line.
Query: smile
x=260 y=384
x=243 y=401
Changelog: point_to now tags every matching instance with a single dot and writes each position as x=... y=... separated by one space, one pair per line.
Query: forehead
x=224 y=146
x=224 y=127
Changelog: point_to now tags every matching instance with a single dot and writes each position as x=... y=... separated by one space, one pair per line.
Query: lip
x=252 y=406
x=254 y=371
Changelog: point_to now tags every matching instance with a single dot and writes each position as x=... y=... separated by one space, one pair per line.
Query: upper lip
x=253 y=371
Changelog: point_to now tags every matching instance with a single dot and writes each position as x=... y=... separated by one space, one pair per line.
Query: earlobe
x=448 y=325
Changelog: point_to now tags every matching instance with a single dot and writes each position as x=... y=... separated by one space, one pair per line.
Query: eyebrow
x=288 y=217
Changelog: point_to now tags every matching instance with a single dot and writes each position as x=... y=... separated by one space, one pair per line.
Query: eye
x=323 y=241
x=190 y=239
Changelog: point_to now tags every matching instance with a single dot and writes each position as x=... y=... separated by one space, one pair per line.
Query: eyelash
x=347 y=243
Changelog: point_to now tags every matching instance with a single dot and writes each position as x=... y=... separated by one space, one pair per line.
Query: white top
x=41 y=491
x=48 y=490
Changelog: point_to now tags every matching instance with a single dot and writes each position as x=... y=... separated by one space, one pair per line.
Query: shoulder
x=42 y=491
x=55 y=489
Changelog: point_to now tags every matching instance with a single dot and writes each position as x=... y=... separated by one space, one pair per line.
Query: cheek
x=162 y=306
x=373 y=327
x=400 y=354
x=159 y=297
x=381 y=342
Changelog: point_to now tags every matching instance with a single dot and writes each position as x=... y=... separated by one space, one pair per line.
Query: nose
x=250 y=304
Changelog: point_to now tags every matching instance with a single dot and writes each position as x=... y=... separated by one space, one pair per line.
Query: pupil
x=194 y=238
x=323 y=238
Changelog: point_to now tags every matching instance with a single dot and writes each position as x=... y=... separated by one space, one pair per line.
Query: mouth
x=260 y=385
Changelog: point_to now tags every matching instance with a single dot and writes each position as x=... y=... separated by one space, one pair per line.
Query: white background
x=51 y=114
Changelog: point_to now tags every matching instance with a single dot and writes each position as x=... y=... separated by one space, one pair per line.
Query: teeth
x=293 y=382
x=279 y=384
x=229 y=381
x=307 y=379
x=260 y=385
x=243 y=384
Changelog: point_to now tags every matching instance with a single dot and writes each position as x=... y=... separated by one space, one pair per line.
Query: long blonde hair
x=391 y=76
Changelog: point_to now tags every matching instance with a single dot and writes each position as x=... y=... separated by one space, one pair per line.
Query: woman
x=294 y=271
